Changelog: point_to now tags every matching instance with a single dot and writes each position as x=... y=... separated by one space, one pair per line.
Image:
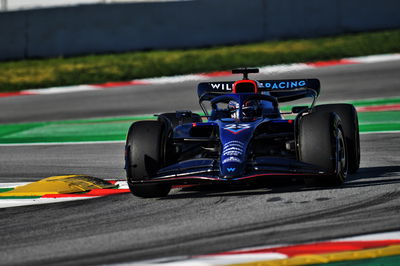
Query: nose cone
x=232 y=159
x=235 y=138
x=231 y=169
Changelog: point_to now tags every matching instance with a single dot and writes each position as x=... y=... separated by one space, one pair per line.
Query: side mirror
x=299 y=109
x=183 y=114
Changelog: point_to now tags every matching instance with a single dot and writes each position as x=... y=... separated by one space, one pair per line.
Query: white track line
x=219 y=260
x=375 y=58
x=381 y=132
x=371 y=237
x=66 y=89
x=62 y=143
x=8 y=203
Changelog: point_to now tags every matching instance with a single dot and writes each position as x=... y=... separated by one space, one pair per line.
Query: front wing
x=199 y=171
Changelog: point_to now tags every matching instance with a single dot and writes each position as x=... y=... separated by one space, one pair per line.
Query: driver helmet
x=233 y=108
x=251 y=109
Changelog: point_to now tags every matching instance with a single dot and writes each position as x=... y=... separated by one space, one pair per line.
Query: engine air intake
x=245 y=86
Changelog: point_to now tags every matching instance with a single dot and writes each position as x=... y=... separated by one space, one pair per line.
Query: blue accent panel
x=279 y=121
x=235 y=138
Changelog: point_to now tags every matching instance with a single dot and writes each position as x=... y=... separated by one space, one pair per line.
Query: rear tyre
x=322 y=143
x=349 y=118
x=145 y=149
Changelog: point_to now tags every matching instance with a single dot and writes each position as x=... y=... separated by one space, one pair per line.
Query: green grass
x=386 y=260
x=5 y=189
x=92 y=69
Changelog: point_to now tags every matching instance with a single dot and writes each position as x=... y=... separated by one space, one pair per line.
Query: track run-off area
x=284 y=223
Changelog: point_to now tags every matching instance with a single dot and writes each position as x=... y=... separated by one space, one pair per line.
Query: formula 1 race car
x=245 y=138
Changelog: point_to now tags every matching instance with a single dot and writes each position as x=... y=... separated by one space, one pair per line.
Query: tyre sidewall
x=144 y=150
x=349 y=120
x=317 y=141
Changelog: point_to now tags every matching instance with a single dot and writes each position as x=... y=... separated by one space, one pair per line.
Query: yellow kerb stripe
x=331 y=257
x=65 y=184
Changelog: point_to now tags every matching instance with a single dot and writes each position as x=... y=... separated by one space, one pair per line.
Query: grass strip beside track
x=387 y=261
x=92 y=69
x=372 y=102
x=97 y=129
x=115 y=129
x=359 y=103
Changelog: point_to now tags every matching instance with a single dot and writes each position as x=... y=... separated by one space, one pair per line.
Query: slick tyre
x=322 y=143
x=349 y=118
x=149 y=190
x=145 y=149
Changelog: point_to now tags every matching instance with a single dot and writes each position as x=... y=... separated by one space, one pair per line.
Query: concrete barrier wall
x=139 y=26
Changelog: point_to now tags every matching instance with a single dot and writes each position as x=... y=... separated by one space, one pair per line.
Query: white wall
x=139 y=26
x=10 y=5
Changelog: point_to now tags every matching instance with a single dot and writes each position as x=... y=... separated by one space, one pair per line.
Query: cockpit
x=244 y=107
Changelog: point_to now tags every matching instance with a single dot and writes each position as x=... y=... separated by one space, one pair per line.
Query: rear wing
x=283 y=90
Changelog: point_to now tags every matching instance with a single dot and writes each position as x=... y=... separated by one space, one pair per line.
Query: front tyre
x=149 y=190
x=144 y=155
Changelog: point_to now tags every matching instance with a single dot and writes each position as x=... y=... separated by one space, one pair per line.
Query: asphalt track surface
x=124 y=228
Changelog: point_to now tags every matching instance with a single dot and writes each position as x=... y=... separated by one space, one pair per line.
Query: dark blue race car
x=243 y=138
